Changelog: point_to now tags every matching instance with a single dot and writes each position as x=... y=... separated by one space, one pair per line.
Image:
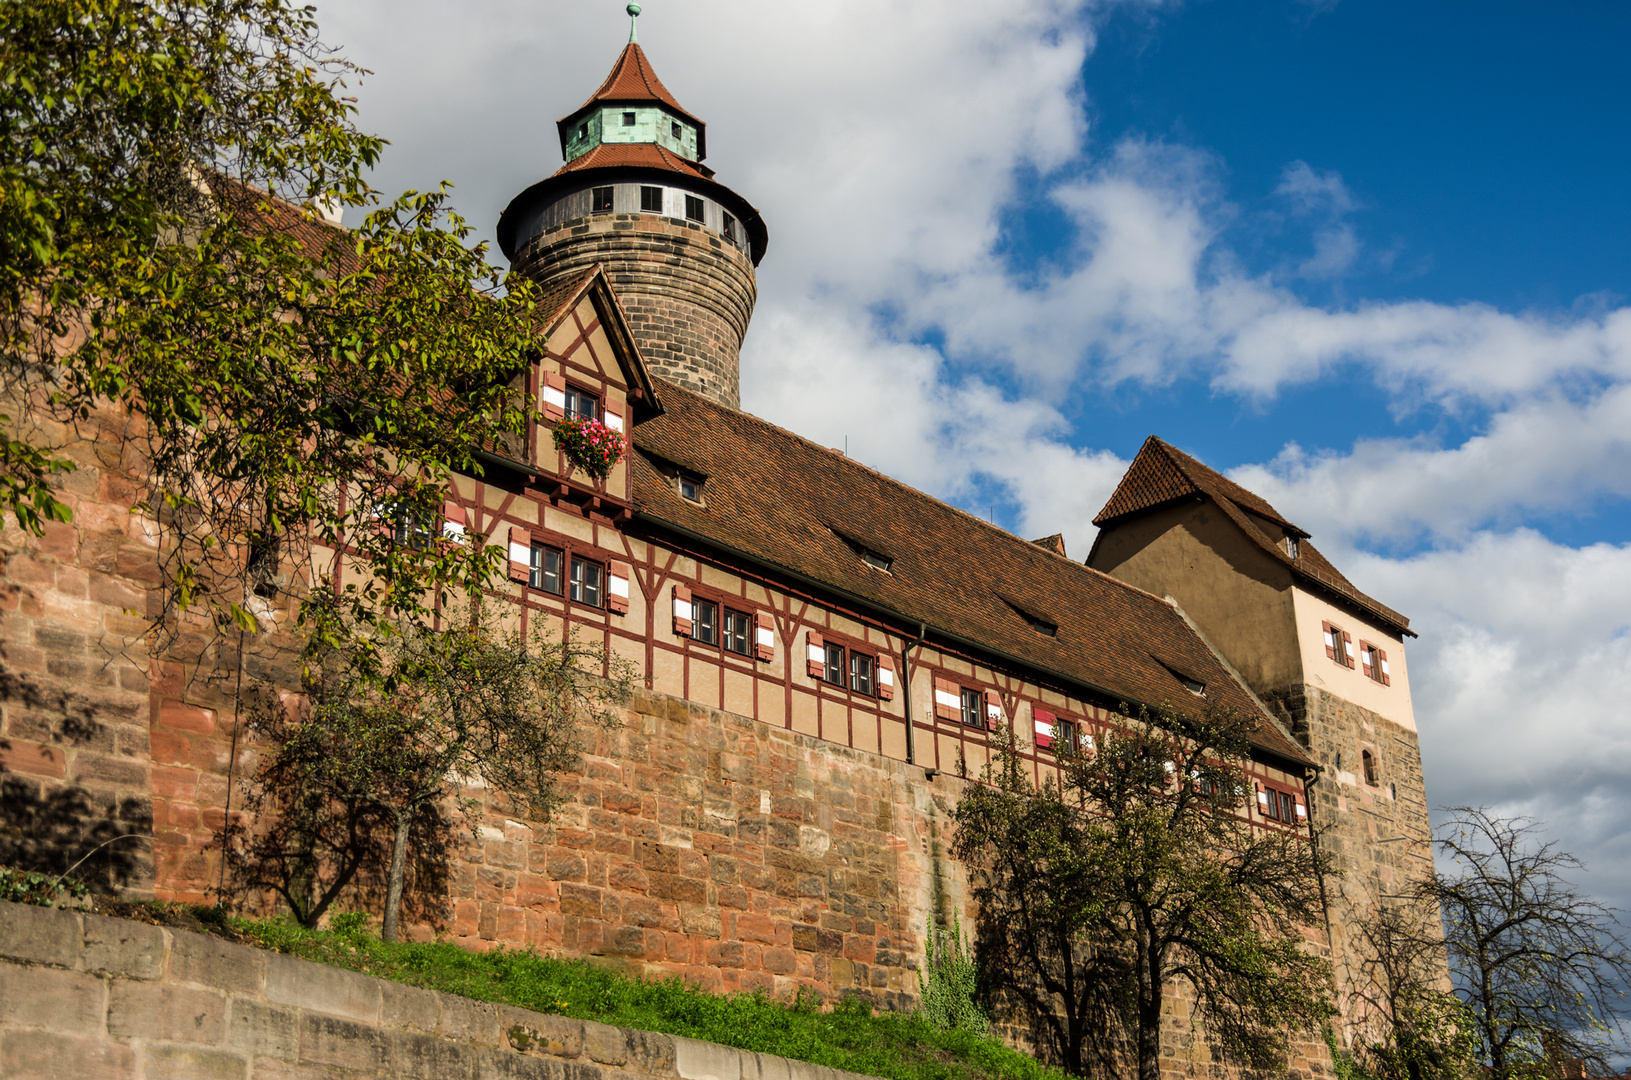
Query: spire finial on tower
x=634 y=23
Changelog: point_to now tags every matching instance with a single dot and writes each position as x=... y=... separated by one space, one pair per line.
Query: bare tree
x=1406 y=1021
x=1538 y=964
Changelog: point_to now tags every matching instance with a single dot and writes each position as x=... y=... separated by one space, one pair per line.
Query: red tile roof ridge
x=648 y=155
x=1238 y=504
x=1005 y=535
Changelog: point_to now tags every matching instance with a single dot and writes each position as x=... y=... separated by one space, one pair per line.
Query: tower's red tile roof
x=800 y=508
x=644 y=155
x=632 y=79
x=1163 y=474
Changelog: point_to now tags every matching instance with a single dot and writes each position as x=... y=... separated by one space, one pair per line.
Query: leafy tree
x=1408 y=1023
x=1538 y=964
x=381 y=741
x=286 y=383
x=1136 y=870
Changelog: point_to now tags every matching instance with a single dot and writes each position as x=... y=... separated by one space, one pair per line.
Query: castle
x=825 y=651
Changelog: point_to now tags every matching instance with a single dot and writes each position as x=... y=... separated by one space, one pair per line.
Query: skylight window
x=1194 y=686
x=690 y=488
x=876 y=561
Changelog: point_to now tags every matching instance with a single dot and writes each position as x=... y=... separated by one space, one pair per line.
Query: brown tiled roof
x=789 y=503
x=1163 y=474
x=632 y=79
x=642 y=155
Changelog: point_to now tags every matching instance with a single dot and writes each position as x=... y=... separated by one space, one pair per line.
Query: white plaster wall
x=1392 y=702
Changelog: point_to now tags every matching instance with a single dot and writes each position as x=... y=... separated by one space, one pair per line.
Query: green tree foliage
x=380 y=741
x=289 y=383
x=1139 y=869
x=1539 y=965
x=949 y=981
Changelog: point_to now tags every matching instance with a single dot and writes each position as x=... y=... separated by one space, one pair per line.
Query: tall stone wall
x=1378 y=831
x=74 y=700
x=688 y=294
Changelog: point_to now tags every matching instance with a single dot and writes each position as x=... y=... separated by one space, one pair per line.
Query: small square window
x=410 y=530
x=546 y=569
x=581 y=406
x=628 y=119
x=693 y=208
x=973 y=708
x=1293 y=548
x=738 y=633
x=678 y=132
x=651 y=200
x=862 y=674
x=587 y=579
x=602 y=200
x=690 y=488
x=834 y=670
x=583 y=131
x=704 y=621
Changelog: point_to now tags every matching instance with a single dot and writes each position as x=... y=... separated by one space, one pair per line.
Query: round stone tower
x=634 y=196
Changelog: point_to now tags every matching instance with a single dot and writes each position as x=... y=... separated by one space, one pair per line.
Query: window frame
x=976 y=710
x=631 y=119
x=1340 y=647
x=698 y=603
x=675 y=131
x=750 y=624
x=701 y=215
x=574 y=390
x=1282 y=805
x=574 y=586
x=645 y=207
x=1369 y=770
x=538 y=571
x=595 y=194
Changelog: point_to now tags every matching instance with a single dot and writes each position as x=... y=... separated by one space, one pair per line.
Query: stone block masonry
x=86 y=996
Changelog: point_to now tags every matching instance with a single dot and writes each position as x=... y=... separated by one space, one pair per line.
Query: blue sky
x=1369 y=257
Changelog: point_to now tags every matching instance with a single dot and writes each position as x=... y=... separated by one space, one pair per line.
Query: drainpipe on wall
x=906 y=683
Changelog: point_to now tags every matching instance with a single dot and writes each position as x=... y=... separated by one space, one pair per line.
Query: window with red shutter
x=1383 y=675
x=554 y=396
x=815 y=655
x=948 y=700
x=453 y=521
x=993 y=710
x=520 y=553
x=1045 y=723
x=764 y=639
x=1347 y=649
x=682 y=611
x=617 y=588
x=886 y=677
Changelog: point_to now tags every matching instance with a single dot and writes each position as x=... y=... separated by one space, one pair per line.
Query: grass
x=849 y=1036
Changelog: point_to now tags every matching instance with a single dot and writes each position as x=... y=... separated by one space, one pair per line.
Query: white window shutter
x=1330 y=640
x=1043 y=721
x=886 y=677
x=453 y=521
x=520 y=553
x=612 y=418
x=993 y=710
x=554 y=396
x=815 y=655
x=764 y=636
x=617 y=588
x=682 y=611
x=948 y=700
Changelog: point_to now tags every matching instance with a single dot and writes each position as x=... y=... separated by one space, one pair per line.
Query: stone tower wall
x=687 y=292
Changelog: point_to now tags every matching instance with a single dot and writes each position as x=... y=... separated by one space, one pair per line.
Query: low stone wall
x=90 y=997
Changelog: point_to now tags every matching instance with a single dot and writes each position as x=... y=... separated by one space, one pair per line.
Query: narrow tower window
x=602 y=200
x=730 y=228
x=1369 y=759
x=693 y=208
x=678 y=133
x=583 y=131
x=628 y=119
x=651 y=200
